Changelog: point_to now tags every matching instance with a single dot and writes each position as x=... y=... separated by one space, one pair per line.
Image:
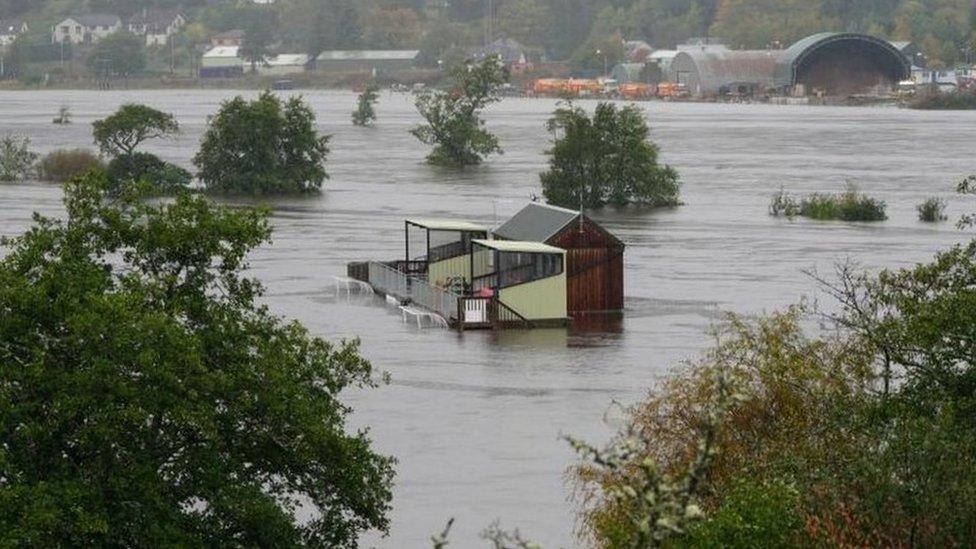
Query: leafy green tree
x=131 y=125
x=606 y=159
x=160 y=176
x=258 y=36
x=454 y=126
x=364 y=114
x=16 y=158
x=263 y=147
x=120 y=54
x=148 y=399
x=528 y=21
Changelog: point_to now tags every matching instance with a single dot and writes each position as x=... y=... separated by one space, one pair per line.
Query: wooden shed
x=594 y=257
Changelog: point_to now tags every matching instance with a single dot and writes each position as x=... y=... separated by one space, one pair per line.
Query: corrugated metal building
x=835 y=63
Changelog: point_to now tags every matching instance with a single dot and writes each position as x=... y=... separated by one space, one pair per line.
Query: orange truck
x=670 y=89
x=637 y=91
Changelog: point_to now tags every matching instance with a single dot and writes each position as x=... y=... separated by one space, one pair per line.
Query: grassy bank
x=954 y=101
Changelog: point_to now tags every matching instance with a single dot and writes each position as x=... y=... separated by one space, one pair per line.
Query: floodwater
x=476 y=420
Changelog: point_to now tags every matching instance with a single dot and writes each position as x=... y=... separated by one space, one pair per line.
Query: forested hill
x=563 y=29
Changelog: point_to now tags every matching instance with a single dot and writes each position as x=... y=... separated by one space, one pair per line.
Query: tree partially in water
x=365 y=114
x=16 y=158
x=605 y=159
x=147 y=398
x=131 y=125
x=121 y=133
x=454 y=126
x=264 y=146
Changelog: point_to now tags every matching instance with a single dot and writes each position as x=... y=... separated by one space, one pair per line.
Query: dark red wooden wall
x=594 y=268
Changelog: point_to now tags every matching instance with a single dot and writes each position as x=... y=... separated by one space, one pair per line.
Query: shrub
x=608 y=158
x=932 y=210
x=16 y=158
x=783 y=205
x=753 y=514
x=850 y=205
x=64 y=164
x=263 y=146
x=162 y=177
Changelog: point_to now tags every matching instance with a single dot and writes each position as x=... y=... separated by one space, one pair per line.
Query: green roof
x=519 y=246
x=447 y=225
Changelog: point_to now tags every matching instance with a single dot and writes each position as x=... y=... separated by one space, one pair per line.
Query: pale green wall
x=540 y=300
x=438 y=273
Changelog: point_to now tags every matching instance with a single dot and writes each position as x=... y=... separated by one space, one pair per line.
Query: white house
x=86 y=29
x=10 y=29
x=156 y=25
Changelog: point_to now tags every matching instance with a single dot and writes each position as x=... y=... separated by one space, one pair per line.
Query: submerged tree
x=118 y=136
x=123 y=131
x=263 y=147
x=454 y=126
x=148 y=399
x=365 y=114
x=16 y=158
x=607 y=158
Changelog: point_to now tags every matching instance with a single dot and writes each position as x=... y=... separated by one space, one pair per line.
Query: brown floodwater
x=476 y=420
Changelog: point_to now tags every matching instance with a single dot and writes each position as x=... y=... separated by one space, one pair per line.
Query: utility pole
x=489 y=23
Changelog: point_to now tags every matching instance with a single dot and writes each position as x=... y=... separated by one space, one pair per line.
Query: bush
x=850 y=205
x=16 y=158
x=162 y=177
x=932 y=210
x=64 y=164
x=263 y=146
x=754 y=514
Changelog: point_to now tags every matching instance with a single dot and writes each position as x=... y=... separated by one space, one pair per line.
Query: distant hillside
x=559 y=29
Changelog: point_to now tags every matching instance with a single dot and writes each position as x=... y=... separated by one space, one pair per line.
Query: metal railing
x=393 y=282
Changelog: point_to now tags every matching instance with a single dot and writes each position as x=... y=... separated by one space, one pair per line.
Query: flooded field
x=476 y=419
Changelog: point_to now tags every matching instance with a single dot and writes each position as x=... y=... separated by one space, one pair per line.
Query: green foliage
x=652 y=504
x=850 y=205
x=148 y=399
x=932 y=210
x=258 y=36
x=263 y=147
x=16 y=158
x=157 y=176
x=608 y=158
x=364 y=115
x=119 y=54
x=753 y=514
x=453 y=118
x=64 y=164
x=958 y=101
x=128 y=127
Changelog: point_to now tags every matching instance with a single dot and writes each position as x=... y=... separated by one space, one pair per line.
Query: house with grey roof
x=85 y=29
x=156 y=25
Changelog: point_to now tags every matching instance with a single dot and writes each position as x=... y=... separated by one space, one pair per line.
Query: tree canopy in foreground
x=453 y=118
x=607 y=158
x=146 y=399
x=264 y=146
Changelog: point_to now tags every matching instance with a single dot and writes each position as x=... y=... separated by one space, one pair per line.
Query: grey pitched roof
x=97 y=19
x=536 y=223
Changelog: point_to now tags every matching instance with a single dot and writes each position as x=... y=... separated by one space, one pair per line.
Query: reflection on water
x=475 y=419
